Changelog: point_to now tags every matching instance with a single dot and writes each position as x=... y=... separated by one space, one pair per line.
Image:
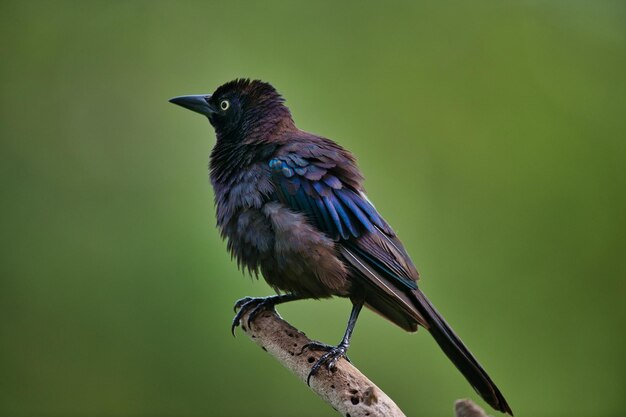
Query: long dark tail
x=460 y=355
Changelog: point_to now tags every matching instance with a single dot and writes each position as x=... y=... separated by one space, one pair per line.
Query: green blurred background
x=492 y=135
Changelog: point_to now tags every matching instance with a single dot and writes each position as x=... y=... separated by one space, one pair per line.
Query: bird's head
x=241 y=109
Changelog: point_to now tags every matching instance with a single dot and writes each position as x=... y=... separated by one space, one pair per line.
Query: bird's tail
x=460 y=355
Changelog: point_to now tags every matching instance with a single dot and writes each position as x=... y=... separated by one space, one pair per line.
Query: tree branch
x=346 y=389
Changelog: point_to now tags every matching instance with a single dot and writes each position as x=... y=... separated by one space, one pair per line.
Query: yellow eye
x=224 y=105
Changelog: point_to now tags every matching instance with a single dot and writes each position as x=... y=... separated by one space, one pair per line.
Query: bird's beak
x=198 y=103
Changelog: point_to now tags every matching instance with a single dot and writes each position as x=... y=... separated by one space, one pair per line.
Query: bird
x=291 y=206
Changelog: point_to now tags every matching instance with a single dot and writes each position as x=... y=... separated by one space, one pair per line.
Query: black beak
x=198 y=103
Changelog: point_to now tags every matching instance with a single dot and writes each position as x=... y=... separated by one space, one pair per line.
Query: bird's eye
x=224 y=105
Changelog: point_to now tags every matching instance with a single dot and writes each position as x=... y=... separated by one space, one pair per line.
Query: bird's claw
x=330 y=358
x=241 y=302
x=316 y=346
x=246 y=304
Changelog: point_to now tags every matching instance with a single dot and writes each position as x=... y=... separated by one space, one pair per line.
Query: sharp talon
x=254 y=306
x=243 y=305
x=255 y=312
x=313 y=372
x=236 y=321
x=329 y=358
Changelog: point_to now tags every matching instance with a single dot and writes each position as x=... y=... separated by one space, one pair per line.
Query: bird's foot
x=328 y=359
x=254 y=305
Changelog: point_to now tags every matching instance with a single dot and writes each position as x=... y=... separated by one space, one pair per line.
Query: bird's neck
x=240 y=177
x=254 y=140
x=239 y=160
x=229 y=161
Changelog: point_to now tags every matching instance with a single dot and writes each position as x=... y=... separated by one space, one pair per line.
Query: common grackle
x=291 y=205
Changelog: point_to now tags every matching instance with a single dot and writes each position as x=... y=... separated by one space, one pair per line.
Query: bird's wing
x=310 y=187
x=323 y=183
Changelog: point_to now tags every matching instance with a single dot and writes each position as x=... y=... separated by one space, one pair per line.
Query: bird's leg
x=334 y=353
x=258 y=304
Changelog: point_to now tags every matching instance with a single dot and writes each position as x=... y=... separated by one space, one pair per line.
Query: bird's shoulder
x=319 y=178
x=314 y=157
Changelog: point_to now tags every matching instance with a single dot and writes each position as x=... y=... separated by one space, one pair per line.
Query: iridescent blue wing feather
x=334 y=207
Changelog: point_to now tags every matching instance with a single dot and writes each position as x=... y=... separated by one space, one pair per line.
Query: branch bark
x=346 y=389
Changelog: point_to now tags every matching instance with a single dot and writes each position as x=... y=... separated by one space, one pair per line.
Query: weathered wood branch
x=346 y=389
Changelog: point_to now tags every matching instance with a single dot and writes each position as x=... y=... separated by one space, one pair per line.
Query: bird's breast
x=292 y=256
